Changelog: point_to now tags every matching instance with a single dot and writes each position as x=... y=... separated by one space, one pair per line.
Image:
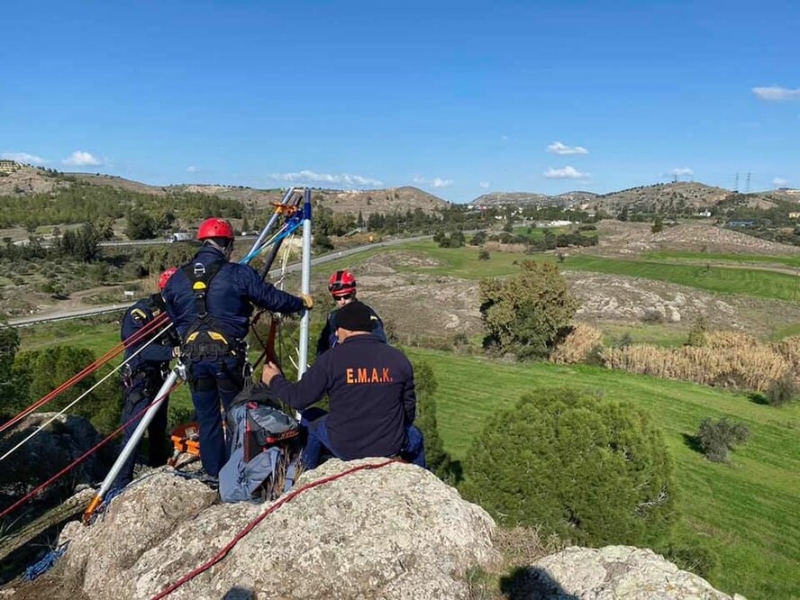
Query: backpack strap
x=200 y=276
x=291 y=473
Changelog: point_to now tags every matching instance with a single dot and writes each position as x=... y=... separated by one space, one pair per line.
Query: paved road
x=111 y=308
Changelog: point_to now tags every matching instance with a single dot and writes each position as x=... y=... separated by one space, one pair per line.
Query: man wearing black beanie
x=370 y=385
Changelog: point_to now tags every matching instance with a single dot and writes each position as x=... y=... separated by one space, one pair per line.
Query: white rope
x=83 y=395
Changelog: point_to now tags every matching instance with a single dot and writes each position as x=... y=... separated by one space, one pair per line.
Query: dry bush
x=789 y=349
x=521 y=546
x=577 y=346
x=730 y=340
x=731 y=360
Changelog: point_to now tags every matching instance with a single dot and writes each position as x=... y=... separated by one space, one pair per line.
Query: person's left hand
x=269 y=373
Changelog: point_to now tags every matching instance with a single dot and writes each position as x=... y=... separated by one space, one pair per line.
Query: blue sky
x=458 y=98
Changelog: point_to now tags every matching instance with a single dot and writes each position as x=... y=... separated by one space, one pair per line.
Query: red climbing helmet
x=341 y=283
x=215 y=228
x=162 y=281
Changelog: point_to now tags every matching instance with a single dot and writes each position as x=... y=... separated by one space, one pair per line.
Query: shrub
x=438 y=461
x=697 y=334
x=782 y=390
x=695 y=558
x=652 y=315
x=591 y=471
x=483 y=254
x=717 y=438
x=528 y=314
x=582 y=344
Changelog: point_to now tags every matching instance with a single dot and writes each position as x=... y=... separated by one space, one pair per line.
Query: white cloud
x=504 y=138
x=564 y=150
x=565 y=173
x=24 y=157
x=436 y=182
x=779 y=182
x=776 y=94
x=485 y=184
x=306 y=176
x=81 y=158
x=192 y=169
x=682 y=171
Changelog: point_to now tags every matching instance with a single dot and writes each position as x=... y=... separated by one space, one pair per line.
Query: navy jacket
x=371 y=391
x=230 y=298
x=153 y=357
x=327 y=339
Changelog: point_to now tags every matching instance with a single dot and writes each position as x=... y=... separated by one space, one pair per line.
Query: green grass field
x=789 y=261
x=721 y=280
x=464 y=263
x=747 y=511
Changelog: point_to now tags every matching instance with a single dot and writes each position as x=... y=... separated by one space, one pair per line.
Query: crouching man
x=370 y=386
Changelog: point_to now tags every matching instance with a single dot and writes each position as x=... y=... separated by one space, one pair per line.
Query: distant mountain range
x=19 y=180
x=665 y=196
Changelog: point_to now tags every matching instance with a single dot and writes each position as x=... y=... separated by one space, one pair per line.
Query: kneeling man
x=370 y=386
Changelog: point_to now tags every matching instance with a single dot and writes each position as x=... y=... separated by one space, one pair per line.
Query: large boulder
x=390 y=532
x=610 y=573
x=58 y=440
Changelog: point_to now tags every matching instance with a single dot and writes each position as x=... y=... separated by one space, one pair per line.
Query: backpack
x=265 y=448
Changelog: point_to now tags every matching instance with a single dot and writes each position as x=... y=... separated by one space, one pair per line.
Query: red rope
x=81 y=458
x=135 y=338
x=250 y=526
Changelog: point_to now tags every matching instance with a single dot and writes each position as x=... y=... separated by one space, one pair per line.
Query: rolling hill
x=25 y=179
x=665 y=197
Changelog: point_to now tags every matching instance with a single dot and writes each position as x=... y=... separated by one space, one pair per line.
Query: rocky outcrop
x=392 y=532
x=611 y=573
x=55 y=445
x=385 y=532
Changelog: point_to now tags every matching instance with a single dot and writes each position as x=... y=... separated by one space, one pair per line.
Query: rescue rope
x=82 y=457
x=285 y=230
x=81 y=397
x=91 y=368
x=252 y=524
x=135 y=338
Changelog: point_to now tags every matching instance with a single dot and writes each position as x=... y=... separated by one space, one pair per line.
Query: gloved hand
x=308 y=301
x=176 y=352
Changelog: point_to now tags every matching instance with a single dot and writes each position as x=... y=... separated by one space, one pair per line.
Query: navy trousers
x=318 y=443
x=214 y=385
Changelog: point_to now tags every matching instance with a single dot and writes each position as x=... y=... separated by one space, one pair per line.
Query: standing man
x=371 y=390
x=210 y=301
x=143 y=375
x=342 y=286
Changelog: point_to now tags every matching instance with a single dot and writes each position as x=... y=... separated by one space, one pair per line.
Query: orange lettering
x=375 y=378
x=387 y=378
x=362 y=376
x=350 y=378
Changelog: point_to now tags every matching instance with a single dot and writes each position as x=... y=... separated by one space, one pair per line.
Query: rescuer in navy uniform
x=371 y=390
x=143 y=375
x=343 y=288
x=210 y=301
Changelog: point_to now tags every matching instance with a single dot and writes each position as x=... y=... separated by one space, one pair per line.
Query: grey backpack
x=265 y=448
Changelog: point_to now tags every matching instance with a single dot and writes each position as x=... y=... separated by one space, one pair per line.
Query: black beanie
x=355 y=317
